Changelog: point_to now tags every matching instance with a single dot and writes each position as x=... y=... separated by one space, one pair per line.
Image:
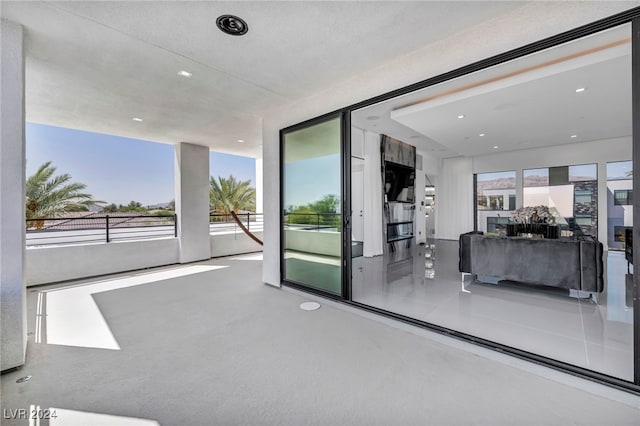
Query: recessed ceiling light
x=580 y=89
x=137 y=119
x=184 y=73
x=232 y=25
x=240 y=141
x=461 y=116
x=481 y=134
x=495 y=147
x=574 y=136
x=372 y=117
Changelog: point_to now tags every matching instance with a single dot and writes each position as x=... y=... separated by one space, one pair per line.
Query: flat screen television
x=399 y=182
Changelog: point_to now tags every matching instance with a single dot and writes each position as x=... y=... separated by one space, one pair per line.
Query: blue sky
x=117 y=169
x=311 y=179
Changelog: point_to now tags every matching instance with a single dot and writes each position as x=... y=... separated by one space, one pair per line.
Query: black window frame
x=626 y=201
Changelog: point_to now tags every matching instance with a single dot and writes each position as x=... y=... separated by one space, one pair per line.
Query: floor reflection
x=424 y=283
x=313 y=270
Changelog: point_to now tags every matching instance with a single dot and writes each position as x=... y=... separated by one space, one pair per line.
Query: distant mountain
x=501 y=183
x=534 y=180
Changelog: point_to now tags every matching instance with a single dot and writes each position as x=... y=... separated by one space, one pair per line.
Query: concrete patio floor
x=210 y=344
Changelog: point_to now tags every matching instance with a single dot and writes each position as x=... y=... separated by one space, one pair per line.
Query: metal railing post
x=107 y=226
x=248 y=221
x=318 y=224
x=175 y=225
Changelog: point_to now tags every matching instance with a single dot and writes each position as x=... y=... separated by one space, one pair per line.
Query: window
x=535 y=177
x=583 y=173
x=582 y=196
x=496 y=191
x=619 y=202
x=570 y=193
x=497 y=225
x=623 y=197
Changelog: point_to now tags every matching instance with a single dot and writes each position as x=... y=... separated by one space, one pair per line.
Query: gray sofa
x=573 y=264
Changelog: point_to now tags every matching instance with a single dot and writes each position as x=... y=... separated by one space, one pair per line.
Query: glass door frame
x=345 y=203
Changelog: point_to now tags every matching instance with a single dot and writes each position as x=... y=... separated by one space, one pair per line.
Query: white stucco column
x=192 y=201
x=259 y=187
x=13 y=312
x=271 y=203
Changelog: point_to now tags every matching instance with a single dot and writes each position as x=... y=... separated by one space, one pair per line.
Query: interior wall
x=527 y=24
x=420 y=230
x=617 y=149
x=454 y=198
x=357 y=184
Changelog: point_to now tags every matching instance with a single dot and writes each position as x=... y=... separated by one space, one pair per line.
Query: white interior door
x=357 y=198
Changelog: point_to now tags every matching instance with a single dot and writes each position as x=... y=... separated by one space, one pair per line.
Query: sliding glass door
x=311 y=200
x=534 y=154
x=522 y=149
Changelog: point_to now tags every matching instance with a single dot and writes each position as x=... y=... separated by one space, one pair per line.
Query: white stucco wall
x=527 y=24
x=324 y=243
x=53 y=264
x=454 y=198
x=236 y=243
x=13 y=318
x=61 y=263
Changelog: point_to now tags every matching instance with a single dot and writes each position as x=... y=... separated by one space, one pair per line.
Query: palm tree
x=50 y=196
x=229 y=194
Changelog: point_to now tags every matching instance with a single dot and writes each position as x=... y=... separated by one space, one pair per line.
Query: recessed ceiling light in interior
x=461 y=116
x=240 y=141
x=574 y=136
x=372 y=117
x=495 y=147
x=232 y=25
x=137 y=119
x=580 y=89
x=185 y=74
x=481 y=134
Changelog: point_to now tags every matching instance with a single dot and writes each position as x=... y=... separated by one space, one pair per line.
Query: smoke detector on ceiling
x=232 y=25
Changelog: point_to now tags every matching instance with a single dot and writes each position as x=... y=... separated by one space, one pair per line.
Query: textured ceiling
x=96 y=65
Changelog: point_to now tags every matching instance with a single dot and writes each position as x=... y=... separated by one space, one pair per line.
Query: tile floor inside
x=424 y=283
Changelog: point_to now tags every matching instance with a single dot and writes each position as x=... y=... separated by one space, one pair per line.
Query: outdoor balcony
x=209 y=343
